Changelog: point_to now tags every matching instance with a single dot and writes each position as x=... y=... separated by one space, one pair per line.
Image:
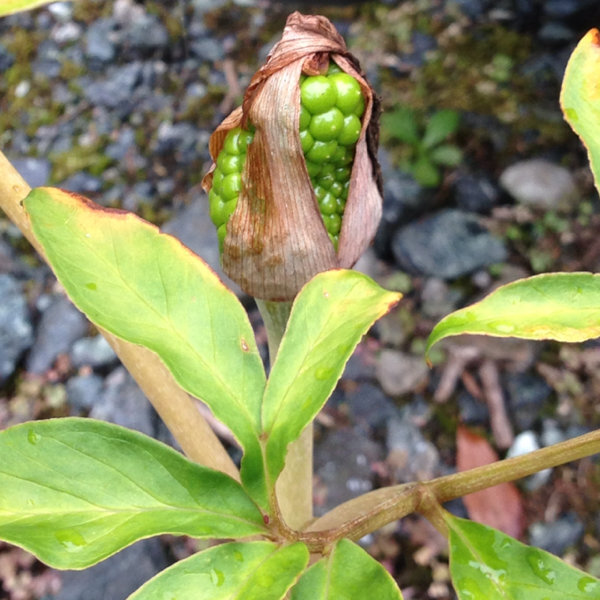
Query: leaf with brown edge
x=147 y=288
x=499 y=506
x=553 y=306
x=580 y=96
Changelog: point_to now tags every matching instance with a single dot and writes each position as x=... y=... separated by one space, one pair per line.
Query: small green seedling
x=75 y=491
x=426 y=150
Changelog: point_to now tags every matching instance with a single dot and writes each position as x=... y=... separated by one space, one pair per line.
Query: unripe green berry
x=330 y=124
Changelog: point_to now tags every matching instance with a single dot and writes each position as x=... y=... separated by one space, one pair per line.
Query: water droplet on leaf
x=536 y=562
x=587 y=584
x=33 y=437
x=217 y=577
x=71 y=540
x=323 y=373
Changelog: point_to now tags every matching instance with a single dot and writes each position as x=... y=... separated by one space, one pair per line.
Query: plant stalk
x=362 y=515
x=294 y=486
x=177 y=409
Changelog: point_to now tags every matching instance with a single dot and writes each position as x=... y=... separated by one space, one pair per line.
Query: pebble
x=35 y=171
x=82 y=183
x=369 y=406
x=410 y=456
x=343 y=461
x=400 y=373
x=99 y=42
x=438 y=299
x=527 y=395
x=123 y=403
x=115 y=91
x=16 y=332
x=61 y=324
x=524 y=443
x=82 y=392
x=92 y=351
x=472 y=411
x=116 y=577
x=475 y=193
x=540 y=184
x=447 y=244
x=7 y=58
x=559 y=536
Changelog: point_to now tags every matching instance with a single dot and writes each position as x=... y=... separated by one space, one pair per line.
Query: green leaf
x=74 y=491
x=556 y=306
x=9 y=7
x=235 y=571
x=486 y=563
x=148 y=288
x=442 y=124
x=402 y=125
x=447 y=155
x=329 y=316
x=347 y=573
x=580 y=97
x=425 y=172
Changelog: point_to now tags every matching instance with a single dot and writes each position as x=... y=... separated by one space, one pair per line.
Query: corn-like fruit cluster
x=331 y=107
x=227 y=179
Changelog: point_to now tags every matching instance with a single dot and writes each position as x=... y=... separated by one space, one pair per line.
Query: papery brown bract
x=276 y=240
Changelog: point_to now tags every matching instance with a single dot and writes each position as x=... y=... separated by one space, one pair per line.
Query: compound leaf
x=74 y=491
x=234 y=571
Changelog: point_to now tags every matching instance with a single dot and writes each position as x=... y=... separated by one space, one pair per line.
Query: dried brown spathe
x=276 y=240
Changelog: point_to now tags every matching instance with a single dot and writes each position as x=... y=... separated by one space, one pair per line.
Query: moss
x=79 y=158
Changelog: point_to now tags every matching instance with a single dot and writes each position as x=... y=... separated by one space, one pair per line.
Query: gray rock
x=116 y=577
x=410 y=455
x=82 y=392
x=207 y=49
x=438 y=299
x=524 y=443
x=178 y=139
x=472 y=411
x=35 y=171
x=122 y=402
x=16 y=332
x=125 y=141
x=94 y=352
x=540 y=184
x=448 y=244
x=60 y=325
x=343 y=461
x=370 y=406
x=527 y=395
x=475 y=193
x=7 y=58
x=400 y=373
x=99 y=41
x=559 y=536
x=116 y=90
x=82 y=183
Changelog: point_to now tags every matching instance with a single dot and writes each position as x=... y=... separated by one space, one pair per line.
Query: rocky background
x=117 y=99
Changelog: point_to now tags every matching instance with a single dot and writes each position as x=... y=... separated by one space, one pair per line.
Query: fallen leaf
x=500 y=506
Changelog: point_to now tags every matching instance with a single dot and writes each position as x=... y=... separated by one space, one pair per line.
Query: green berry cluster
x=330 y=112
x=331 y=108
x=227 y=179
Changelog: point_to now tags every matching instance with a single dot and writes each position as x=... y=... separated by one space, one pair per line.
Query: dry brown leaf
x=500 y=506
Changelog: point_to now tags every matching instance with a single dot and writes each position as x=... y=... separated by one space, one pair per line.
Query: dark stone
x=144 y=35
x=421 y=44
x=527 y=395
x=207 y=49
x=179 y=139
x=559 y=536
x=15 y=327
x=48 y=60
x=82 y=183
x=116 y=577
x=122 y=402
x=370 y=406
x=35 y=171
x=471 y=410
x=125 y=141
x=555 y=34
x=7 y=58
x=563 y=9
x=448 y=244
x=343 y=461
x=475 y=193
x=82 y=392
x=116 y=90
x=99 y=45
x=60 y=325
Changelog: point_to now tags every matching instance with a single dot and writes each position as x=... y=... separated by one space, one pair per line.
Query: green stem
x=364 y=514
x=294 y=486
